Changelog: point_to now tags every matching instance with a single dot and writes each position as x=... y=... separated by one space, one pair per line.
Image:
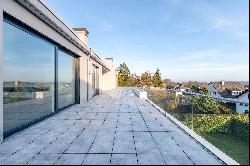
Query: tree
x=134 y=80
x=200 y=88
x=123 y=75
x=146 y=79
x=120 y=80
x=157 y=78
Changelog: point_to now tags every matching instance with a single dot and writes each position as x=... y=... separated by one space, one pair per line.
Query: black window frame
x=77 y=83
x=35 y=33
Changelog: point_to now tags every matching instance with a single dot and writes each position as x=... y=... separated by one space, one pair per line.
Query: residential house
x=179 y=89
x=225 y=89
x=228 y=91
x=242 y=105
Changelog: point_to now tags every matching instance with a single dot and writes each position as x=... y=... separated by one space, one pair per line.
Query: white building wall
x=244 y=106
x=110 y=78
x=83 y=79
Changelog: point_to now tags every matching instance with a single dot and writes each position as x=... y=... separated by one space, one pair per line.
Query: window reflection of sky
x=65 y=67
x=26 y=58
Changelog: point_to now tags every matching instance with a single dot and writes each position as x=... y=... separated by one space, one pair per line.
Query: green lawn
x=230 y=145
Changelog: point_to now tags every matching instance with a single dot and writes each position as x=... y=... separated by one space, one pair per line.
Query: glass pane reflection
x=28 y=77
x=66 y=79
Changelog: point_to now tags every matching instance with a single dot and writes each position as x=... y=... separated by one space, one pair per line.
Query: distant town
x=234 y=93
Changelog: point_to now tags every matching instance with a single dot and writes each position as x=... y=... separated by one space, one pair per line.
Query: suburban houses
x=228 y=91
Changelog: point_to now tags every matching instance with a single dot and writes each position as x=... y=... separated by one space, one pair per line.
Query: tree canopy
x=125 y=78
x=157 y=78
x=123 y=75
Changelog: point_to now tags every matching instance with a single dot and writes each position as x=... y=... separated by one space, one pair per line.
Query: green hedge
x=236 y=125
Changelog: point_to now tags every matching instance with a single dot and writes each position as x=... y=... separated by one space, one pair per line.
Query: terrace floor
x=114 y=128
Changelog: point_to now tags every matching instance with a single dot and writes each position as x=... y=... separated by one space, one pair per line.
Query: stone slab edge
x=211 y=148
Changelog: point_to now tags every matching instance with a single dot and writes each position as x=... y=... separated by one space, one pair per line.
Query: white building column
x=83 y=78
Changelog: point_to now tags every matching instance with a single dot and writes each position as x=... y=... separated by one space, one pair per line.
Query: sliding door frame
x=29 y=30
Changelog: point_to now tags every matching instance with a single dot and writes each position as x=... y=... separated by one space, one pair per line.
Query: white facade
x=242 y=102
x=243 y=105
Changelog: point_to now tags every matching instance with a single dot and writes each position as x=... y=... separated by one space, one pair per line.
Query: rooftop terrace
x=114 y=128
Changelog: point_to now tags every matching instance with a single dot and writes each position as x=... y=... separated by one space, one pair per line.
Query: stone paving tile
x=44 y=159
x=18 y=158
x=82 y=144
x=97 y=159
x=70 y=159
x=171 y=152
x=114 y=128
x=3 y=156
x=191 y=148
x=124 y=143
x=103 y=142
x=150 y=159
x=144 y=143
x=124 y=159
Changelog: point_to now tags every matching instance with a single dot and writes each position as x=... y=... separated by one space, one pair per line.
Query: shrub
x=240 y=127
x=236 y=125
x=206 y=105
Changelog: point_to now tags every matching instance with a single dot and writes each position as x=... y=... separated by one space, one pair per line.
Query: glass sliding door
x=28 y=79
x=66 y=80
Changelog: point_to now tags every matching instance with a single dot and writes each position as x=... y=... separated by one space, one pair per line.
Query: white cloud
x=223 y=23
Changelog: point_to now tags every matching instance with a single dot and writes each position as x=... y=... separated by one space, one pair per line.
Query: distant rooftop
x=225 y=88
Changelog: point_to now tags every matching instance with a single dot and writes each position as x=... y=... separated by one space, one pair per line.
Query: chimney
x=82 y=34
x=109 y=62
x=222 y=83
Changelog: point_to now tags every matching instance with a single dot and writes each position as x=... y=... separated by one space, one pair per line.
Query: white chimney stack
x=109 y=62
x=82 y=34
x=222 y=83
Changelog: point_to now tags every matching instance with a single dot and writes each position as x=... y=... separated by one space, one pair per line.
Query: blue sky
x=203 y=40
